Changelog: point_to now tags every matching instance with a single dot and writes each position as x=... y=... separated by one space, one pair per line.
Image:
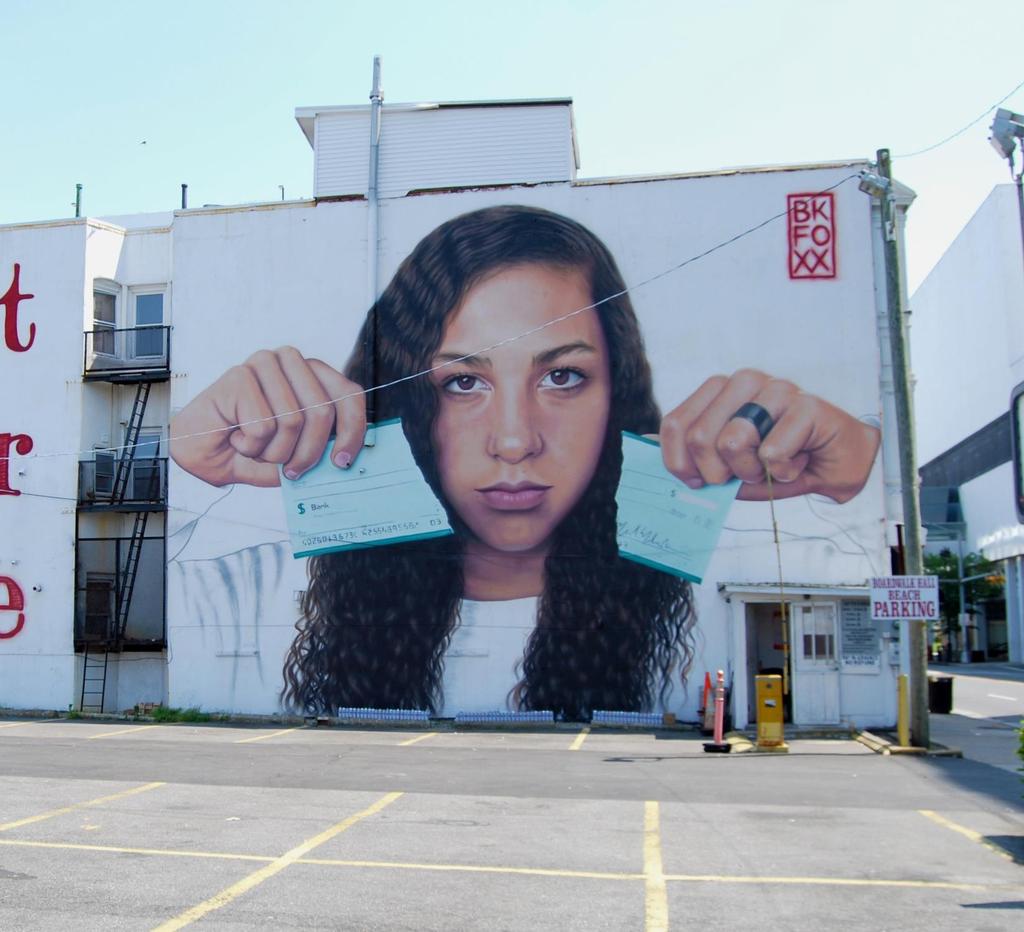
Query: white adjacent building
x=968 y=343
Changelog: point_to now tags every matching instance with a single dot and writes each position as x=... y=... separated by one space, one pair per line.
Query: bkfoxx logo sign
x=812 y=235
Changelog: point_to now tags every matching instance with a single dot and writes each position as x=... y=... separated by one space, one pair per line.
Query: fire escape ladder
x=94 y=679
x=126 y=582
x=131 y=440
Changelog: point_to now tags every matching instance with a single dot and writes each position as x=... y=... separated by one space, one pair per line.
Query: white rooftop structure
x=431 y=146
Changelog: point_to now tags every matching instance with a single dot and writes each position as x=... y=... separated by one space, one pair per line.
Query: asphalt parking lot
x=122 y=826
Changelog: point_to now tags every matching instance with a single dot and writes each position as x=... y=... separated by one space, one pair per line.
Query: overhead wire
x=963 y=129
x=526 y=333
x=423 y=373
x=191 y=526
x=504 y=342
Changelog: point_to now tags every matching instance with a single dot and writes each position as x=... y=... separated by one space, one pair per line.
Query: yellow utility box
x=769 y=711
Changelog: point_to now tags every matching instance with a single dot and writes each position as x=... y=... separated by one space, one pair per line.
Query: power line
x=963 y=129
x=451 y=362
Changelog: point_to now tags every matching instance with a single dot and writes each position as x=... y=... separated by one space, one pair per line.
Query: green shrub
x=162 y=713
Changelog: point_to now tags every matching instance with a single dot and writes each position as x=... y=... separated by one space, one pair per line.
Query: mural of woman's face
x=520 y=428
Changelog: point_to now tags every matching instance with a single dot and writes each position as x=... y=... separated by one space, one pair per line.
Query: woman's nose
x=515 y=433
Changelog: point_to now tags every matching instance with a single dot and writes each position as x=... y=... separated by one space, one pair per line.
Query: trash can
x=940 y=694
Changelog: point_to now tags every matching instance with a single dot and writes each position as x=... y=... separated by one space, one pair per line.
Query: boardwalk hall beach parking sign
x=904 y=597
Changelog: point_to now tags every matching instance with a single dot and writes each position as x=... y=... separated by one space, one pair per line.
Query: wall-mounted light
x=873 y=184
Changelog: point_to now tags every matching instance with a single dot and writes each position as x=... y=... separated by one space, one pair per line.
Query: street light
x=1006 y=128
x=1007 y=132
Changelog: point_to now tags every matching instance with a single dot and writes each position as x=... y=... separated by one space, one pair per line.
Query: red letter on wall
x=14 y=602
x=11 y=299
x=22 y=444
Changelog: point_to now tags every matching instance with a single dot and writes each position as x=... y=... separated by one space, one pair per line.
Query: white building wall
x=245 y=279
x=294 y=275
x=987 y=503
x=40 y=396
x=968 y=329
x=969 y=354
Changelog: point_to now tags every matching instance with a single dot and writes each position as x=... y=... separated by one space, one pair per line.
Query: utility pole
x=914 y=561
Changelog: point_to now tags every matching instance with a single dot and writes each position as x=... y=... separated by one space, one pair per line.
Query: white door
x=148 y=331
x=816 y=664
x=146 y=467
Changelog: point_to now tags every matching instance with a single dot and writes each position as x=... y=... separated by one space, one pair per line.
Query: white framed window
x=147 y=319
x=146 y=465
x=817 y=634
x=106 y=467
x=105 y=295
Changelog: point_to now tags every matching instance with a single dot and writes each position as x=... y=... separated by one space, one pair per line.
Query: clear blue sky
x=211 y=87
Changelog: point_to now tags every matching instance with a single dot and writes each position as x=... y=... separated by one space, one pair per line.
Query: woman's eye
x=464 y=384
x=562 y=378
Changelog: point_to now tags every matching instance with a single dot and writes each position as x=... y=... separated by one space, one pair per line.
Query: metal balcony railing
x=133 y=353
x=146 y=488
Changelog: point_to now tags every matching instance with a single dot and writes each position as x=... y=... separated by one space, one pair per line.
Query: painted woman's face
x=520 y=428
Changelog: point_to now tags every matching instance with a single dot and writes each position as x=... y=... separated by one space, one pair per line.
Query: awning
x=1003 y=544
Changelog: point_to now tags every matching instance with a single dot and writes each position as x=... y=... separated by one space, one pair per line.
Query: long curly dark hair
x=610 y=634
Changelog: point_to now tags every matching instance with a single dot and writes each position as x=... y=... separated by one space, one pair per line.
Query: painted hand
x=250 y=421
x=809 y=445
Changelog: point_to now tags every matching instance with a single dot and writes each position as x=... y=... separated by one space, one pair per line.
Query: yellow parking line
x=521 y=871
x=580 y=738
x=31 y=721
x=473 y=869
x=272 y=734
x=966 y=832
x=655 y=898
x=5 y=826
x=122 y=731
x=406 y=743
x=228 y=894
x=826 y=881
x=114 y=849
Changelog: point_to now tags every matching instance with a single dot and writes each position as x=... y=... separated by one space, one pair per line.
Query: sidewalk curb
x=882 y=745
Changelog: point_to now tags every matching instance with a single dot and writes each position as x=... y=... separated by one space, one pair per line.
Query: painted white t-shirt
x=480 y=665
x=233 y=618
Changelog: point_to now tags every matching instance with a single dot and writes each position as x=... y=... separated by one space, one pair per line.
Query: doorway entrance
x=765 y=650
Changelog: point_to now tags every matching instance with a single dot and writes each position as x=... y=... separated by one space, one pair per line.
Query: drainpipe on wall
x=372 y=244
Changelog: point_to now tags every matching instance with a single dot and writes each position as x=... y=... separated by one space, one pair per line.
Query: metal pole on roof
x=78 y=200
x=372 y=245
x=913 y=554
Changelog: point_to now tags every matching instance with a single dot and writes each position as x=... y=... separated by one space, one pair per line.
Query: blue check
x=382 y=498
x=662 y=522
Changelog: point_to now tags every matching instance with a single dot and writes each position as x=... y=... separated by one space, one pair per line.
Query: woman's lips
x=520 y=496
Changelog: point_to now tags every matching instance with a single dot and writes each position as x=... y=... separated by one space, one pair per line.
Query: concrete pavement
x=988 y=708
